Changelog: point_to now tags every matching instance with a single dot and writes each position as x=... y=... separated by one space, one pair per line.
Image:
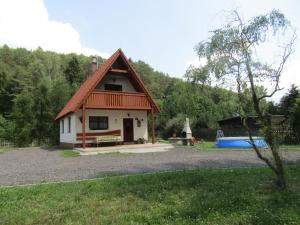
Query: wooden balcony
x=117 y=100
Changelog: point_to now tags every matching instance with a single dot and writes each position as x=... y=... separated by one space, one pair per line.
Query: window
x=113 y=87
x=62 y=126
x=69 y=124
x=98 y=122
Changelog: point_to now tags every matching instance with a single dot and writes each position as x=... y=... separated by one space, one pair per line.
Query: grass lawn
x=291 y=147
x=2 y=150
x=206 y=196
x=210 y=145
x=69 y=153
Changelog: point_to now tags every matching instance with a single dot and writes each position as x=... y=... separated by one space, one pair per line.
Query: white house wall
x=66 y=136
x=115 y=121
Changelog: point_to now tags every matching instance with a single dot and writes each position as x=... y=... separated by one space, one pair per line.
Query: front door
x=128 y=129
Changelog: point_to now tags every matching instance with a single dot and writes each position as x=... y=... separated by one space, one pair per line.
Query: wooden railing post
x=152 y=123
x=123 y=100
x=83 y=125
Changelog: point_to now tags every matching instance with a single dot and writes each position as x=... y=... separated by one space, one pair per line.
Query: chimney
x=187 y=130
x=94 y=64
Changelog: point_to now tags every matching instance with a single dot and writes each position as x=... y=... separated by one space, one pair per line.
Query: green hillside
x=35 y=85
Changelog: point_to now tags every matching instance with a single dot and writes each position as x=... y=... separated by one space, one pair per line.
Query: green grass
x=159 y=140
x=290 y=147
x=2 y=150
x=206 y=196
x=210 y=145
x=207 y=145
x=12 y=148
x=69 y=153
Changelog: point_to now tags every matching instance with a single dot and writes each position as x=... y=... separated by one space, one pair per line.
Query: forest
x=35 y=85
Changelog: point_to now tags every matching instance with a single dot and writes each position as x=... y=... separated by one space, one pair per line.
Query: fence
x=285 y=136
x=5 y=144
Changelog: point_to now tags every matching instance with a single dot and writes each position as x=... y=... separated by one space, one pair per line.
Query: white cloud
x=290 y=75
x=26 y=24
x=196 y=62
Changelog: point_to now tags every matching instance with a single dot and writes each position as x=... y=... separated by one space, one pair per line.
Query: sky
x=163 y=33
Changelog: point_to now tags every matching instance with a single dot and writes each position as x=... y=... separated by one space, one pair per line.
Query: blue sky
x=161 y=33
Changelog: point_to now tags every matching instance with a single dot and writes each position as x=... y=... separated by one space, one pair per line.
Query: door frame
x=128 y=119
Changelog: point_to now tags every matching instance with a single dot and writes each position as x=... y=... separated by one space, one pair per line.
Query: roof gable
x=89 y=85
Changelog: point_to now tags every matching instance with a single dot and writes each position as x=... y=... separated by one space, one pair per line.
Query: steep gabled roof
x=89 y=85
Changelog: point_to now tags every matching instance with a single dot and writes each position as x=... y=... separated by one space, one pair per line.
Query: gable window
x=113 y=87
x=62 y=126
x=98 y=122
x=69 y=124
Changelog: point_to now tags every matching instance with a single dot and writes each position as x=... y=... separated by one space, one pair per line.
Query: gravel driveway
x=39 y=165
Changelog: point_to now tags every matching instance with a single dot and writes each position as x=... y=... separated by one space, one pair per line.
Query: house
x=112 y=105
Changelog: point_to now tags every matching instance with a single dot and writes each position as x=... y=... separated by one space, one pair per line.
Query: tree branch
x=257 y=151
x=288 y=50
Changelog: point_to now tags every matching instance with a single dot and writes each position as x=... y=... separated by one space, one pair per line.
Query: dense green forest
x=35 y=85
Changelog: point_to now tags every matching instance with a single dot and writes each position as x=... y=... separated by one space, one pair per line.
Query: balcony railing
x=117 y=100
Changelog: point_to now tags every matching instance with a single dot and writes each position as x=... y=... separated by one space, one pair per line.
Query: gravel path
x=39 y=165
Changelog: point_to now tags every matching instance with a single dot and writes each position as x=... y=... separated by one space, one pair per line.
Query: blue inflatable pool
x=240 y=142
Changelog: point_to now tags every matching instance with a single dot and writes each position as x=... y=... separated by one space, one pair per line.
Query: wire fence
x=285 y=136
x=6 y=144
x=35 y=143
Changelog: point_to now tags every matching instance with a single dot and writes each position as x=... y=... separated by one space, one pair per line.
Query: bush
x=6 y=129
x=174 y=125
x=207 y=134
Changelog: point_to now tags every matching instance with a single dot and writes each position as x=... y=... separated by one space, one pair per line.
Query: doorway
x=128 y=129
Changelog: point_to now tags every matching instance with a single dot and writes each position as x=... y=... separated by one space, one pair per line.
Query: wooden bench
x=108 y=138
x=101 y=137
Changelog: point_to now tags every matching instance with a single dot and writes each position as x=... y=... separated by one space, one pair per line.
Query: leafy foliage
x=295 y=116
x=289 y=105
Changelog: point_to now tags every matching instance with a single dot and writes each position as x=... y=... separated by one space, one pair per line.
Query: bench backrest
x=93 y=135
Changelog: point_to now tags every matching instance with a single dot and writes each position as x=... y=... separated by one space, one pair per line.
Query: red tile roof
x=89 y=85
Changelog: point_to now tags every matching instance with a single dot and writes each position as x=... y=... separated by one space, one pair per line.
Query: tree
x=295 y=116
x=41 y=111
x=6 y=84
x=23 y=119
x=73 y=72
x=232 y=57
x=2 y=127
x=60 y=93
x=288 y=100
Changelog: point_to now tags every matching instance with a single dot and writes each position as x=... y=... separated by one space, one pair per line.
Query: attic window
x=113 y=87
